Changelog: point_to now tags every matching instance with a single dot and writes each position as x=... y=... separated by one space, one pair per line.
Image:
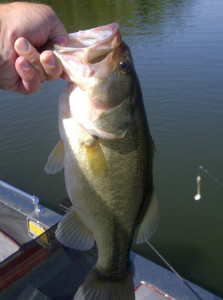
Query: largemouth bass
x=106 y=151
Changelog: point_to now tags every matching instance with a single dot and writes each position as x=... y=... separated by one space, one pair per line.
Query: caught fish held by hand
x=106 y=151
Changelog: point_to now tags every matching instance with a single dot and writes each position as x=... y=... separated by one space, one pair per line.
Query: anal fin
x=149 y=222
x=73 y=233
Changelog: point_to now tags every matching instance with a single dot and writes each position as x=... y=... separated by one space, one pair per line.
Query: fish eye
x=124 y=66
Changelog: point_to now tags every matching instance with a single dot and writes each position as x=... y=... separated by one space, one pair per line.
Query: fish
x=106 y=151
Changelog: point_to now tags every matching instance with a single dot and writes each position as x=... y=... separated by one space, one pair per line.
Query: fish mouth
x=86 y=59
x=93 y=45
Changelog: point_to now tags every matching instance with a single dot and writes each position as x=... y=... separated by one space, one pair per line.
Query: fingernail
x=23 y=45
x=25 y=65
x=51 y=61
x=60 y=40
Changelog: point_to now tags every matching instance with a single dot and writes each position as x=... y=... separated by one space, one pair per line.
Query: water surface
x=177 y=48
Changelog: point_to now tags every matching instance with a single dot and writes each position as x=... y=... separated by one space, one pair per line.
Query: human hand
x=24 y=30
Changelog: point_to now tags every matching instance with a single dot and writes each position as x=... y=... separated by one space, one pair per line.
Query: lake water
x=178 y=53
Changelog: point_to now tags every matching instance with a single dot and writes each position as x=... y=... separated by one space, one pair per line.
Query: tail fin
x=97 y=287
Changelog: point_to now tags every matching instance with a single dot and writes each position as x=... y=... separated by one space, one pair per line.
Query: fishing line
x=173 y=270
x=196 y=197
x=198 y=179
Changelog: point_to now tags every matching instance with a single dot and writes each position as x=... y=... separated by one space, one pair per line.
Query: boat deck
x=59 y=276
x=55 y=272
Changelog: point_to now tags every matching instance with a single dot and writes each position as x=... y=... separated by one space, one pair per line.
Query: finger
x=60 y=40
x=66 y=77
x=30 y=80
x=58 y=34
x=51 y=64
x=26 y=50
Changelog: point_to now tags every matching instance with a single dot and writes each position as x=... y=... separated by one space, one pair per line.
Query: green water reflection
x=82 y=14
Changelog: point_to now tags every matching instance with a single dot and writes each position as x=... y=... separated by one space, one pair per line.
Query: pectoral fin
x=149 y=222
x=73 y=233
x=96 y=159
x=55 y=161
